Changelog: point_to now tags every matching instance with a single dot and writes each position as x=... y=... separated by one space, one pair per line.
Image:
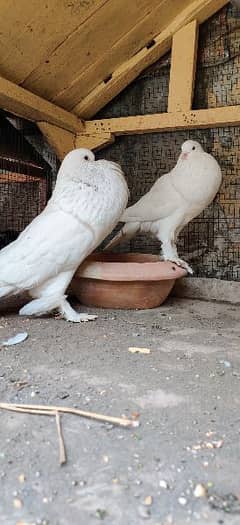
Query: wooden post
x=183 y=68
x=62 y=141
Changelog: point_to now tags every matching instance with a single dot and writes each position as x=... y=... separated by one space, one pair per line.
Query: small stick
x=62 y=451
x=51 y=410
x=13 y=408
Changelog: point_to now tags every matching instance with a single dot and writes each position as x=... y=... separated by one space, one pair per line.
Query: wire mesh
x=24 y=182
x=211 y=242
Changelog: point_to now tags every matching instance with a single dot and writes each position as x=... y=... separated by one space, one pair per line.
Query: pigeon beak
x=184 y=156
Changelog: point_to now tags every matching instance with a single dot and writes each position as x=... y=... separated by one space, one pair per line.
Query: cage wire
x=25 y=181
x=211 y=242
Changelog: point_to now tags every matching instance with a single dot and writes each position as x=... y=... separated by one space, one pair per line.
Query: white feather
x=87 y=202
x=175 y=199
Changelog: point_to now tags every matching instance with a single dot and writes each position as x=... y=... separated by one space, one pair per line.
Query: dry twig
x=62 y=451
x=51 y=411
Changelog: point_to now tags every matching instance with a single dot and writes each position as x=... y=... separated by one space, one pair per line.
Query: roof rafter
x=127 y=72
x=23 y=103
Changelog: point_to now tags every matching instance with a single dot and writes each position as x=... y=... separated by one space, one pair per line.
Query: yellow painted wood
x=62 y=141
x=32 y=29
x=128 y=71
x=86 y=45
x=202 y=118
x=24 y=104
x=183 y=68
x=161 y=14
x=94 y=141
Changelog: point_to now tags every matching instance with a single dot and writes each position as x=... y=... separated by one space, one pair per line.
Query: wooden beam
x=128 y=71
x=31 y=107
x=160 y=14
x=183 y=68
x=202 y=118
x=94 y=141
x=62 y=141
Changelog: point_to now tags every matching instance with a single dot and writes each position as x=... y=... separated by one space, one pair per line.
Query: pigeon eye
x=86 y=157
x=194 y=147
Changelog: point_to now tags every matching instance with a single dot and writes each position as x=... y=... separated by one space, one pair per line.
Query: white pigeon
x=86 y=204
x=174 y=200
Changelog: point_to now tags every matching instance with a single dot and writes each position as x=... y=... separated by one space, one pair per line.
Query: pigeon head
x=190 y=148
x=79 y=155
x=74 y=160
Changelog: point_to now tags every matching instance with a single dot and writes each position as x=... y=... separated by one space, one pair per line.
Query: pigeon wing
x=158 y=203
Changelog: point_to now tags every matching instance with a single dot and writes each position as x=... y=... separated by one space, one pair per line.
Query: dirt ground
x=186 y=390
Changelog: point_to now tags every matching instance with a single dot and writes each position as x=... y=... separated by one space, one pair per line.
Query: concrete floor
x=187 y=391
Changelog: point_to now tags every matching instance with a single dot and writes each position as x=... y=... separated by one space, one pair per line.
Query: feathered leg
x=51 y=296
x=7 y=290
x=42 y=305
x=125 y=234
x=71 y=315
x=169 y=249
x=169 y=252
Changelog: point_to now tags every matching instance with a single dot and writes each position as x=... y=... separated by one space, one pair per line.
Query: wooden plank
x=183 y=68
x=86 y=45
x=138 y=37
x=127 y=72
x=18 y=177
x=27 y=105
x=32 y=29
x=94 y=141
x=202 y=118
x=62 y=141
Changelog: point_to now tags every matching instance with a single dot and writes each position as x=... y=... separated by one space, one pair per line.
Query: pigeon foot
x=182 y=264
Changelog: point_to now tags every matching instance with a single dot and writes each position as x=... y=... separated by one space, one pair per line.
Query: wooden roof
x=80 y=53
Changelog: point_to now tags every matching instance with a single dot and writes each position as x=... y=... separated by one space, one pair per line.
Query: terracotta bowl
x=126 y=280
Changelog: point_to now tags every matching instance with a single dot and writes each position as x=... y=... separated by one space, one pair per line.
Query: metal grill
x=211 y=242
x=24 y=183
